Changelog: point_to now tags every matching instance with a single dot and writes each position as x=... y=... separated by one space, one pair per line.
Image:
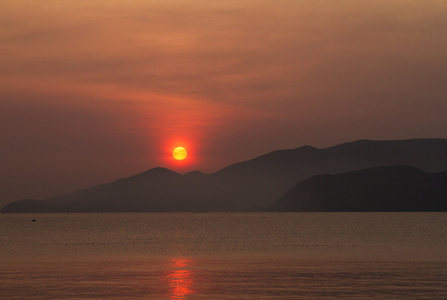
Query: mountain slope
x=395 y=188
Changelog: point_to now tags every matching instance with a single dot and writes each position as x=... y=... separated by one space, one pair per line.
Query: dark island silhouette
x=252 y=185
x=394 y=188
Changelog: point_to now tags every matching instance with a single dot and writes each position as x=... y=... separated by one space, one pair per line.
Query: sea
x=223 y=256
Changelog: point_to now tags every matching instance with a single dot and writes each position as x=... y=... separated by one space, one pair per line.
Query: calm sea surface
x=224 y=256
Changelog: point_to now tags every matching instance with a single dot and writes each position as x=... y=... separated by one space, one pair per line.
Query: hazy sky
x=91 y=91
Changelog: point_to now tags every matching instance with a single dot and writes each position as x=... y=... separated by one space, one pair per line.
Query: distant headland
x=395 y=175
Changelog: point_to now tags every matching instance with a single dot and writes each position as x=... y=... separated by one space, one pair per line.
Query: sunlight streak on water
x=181 y=279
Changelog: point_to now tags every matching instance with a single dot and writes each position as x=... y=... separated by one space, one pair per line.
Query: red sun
x=179 y=153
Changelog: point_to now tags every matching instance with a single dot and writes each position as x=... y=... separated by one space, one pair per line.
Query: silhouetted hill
x=395 y=188
x=30 y=205
x=158 y=189
x=261 y=180
x=250 y=184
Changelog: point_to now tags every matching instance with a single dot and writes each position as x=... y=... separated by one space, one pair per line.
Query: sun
x=179 y=153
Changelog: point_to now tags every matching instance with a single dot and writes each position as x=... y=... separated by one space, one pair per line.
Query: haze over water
x=224 y=256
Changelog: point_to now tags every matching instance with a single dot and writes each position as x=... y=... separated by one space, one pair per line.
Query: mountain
x=258 y=182
x=253 y=184
x=394 y=188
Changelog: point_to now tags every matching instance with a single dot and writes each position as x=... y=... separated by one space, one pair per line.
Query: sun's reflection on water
x=181 y=280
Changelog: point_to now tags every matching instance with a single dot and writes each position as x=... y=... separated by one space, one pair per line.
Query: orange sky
x=91 y=91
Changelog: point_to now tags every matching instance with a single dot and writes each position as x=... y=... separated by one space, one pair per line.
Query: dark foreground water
x=224 y=256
